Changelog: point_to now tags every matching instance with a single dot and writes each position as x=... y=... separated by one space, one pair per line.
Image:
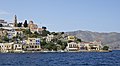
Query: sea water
x=61 y=59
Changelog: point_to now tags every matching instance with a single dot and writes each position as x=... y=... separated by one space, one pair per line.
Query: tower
x=15 y=21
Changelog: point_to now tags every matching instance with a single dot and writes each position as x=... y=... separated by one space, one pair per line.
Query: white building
x=17 y=47
x=11 y=24
x=12 y=31
x=49 y=37
x=4 y=23
x=72 y=46
x=90 y=46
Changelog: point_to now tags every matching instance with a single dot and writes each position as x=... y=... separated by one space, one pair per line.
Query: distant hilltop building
x=15 y=21
x=33 y=27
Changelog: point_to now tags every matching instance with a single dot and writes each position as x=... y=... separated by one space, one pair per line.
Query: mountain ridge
x=111 y=39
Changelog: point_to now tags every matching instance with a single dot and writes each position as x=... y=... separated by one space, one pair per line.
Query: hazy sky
x=65 y=15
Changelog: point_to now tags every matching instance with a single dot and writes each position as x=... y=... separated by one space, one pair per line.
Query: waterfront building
x=17 y=47
x=84 y=46
x=96 y=45
x=72 y=46
x=1 y=47
x=90 y=46
x=33 y=44
x=6 y=47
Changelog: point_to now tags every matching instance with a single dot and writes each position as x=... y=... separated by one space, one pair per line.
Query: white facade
x=4 y=23
x=17 y=47
x=72 y=46
x=96 y=45
x=2 y=47
x=12 y=31
x=11 y=24
x=49 y=37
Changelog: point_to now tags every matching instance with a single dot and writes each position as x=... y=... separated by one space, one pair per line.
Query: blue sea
x=61 y=59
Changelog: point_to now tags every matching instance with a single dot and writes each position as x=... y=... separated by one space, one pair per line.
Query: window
x=32 y=46
x=37 y=41
x=35 y=46
x=27 y=47
x=19 y=45
x=30 y=40
x=38 y=46
x=15 y=45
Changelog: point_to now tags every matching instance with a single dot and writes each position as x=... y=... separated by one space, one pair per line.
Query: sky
x=65 y=15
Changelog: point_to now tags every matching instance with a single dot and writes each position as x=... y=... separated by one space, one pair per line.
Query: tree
x=27 y=31
x=25 y=24
x=19 y=25
x=79 y=40
x=62 y=32
x=36 y=33
x=54 y=47
x=1 y=25
x=6 y=39
x=70 y=41
x=105 y=48
x=64 y=45
x=1 y=41
x=44 y=28
x=43 y=43
x=33 y=36
x=55 y=34
x=45 y=32
x=59 y=42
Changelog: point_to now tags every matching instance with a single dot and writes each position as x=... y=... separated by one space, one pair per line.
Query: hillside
x=110 y=39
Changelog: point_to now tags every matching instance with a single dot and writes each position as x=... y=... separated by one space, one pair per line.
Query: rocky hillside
x=110 y=39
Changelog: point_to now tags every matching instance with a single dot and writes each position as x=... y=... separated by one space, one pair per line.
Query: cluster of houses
x=33 y=44
x=83 y=46
x=12 y=30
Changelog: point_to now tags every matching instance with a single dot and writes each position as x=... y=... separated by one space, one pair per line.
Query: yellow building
x=71 y=38
x=33 y=44
x=6 y=47
x=33 y=27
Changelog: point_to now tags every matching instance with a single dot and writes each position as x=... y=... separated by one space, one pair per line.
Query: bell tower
x=15 y=21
